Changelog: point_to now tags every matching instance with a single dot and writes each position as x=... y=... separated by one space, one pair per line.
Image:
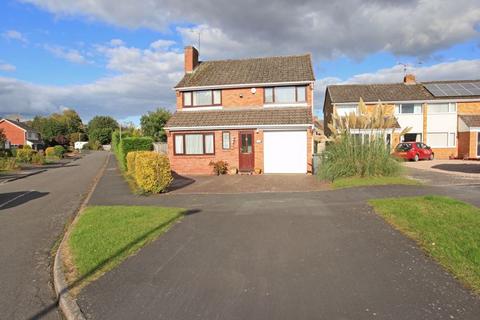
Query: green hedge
x=129 y=144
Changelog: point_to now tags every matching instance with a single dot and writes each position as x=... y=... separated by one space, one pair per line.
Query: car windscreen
x=402 y=147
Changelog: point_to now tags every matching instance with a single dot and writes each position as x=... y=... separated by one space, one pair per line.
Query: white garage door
x=285 y=151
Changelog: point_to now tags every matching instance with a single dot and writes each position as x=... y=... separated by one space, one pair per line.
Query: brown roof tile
x=241 y=117
x=387 y=92
x=471 y=120
x=376 y=92
x=247 y=71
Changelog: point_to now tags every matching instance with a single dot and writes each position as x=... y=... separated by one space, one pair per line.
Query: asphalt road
x=33 y=213
x=313 y=255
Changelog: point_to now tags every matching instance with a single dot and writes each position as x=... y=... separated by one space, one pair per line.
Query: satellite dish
x=253 y=90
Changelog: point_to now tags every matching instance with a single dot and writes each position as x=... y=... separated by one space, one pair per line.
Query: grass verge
x=447 y=229
x=372 y=181
x=104 y=236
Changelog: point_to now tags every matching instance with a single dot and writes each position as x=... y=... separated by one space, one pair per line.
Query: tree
x=3 y=138
x=56 y=128
x=153 y=122
x=100 y=129
x=71 y=121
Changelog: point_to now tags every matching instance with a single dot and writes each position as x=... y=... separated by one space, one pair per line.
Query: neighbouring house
x=19 y=134
x=256 y=114
x=442 y=114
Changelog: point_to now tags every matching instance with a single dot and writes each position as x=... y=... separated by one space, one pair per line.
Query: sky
x=122 y=58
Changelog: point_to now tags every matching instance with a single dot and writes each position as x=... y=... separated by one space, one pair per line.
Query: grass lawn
x=372 y=181
x=449 y=230
x=104 y=236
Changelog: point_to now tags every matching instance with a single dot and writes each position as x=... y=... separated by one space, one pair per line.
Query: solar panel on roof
x=454 y=89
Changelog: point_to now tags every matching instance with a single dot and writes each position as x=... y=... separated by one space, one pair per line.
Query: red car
x=413 y=151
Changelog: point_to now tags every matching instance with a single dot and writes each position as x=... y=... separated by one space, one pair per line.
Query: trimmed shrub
x=131 y=156
x=115 y=141
x=38 y=158
x=59 y=151
x=25 y=155
x=132 y=144
x=55 y=152
x=152 y=172
x=50 y=152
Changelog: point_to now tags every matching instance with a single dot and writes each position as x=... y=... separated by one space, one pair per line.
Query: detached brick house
x=442 y=114
x=19 y=134
x=253 y=113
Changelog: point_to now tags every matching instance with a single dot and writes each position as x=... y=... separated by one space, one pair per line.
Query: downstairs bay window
x=194 y=144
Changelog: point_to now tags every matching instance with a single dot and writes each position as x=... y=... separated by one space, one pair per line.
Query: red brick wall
x=14 y=134
x=198 y=164
x=464 y=145
x=242 y=97
x=445 y=153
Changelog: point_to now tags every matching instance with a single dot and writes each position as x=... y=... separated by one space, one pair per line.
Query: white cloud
x=71 y=55
x=143 y=80
x=15 y=35
x=461 y=69
x=324 y=27
x=7 y=67
x=116 y=42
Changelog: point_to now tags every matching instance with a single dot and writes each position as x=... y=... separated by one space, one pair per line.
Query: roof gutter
x=412 y=101
x=244 y=85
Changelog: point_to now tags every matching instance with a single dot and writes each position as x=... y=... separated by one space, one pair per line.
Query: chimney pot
x=409 y=79
x=191 y=58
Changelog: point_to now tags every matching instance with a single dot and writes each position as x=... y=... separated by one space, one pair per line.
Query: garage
x=285 y=151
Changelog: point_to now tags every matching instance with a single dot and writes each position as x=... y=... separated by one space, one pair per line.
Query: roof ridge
x=259 y=58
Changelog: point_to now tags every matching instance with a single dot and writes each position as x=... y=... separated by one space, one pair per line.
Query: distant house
x=19 y=134
x=442 y=114
x=253 y=113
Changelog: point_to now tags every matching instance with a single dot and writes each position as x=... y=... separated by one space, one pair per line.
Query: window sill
x=284 y=105
x=202 y=108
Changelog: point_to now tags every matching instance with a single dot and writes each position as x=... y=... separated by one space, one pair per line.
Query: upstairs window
x=283 y=95
x=345 y=109
x=442 y=108
x=408 y=108
x=202 y=98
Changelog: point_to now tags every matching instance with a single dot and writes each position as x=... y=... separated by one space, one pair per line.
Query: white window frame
x=450 y=143
x=226 y=140
x=416 y=107
x=452 y=108
x=353 y=108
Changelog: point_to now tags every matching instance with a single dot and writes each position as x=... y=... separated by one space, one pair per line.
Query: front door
x=246 y=151
x=478 y=144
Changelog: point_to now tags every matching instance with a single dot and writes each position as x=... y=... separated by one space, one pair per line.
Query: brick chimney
x=409 y=79
x=191 y=58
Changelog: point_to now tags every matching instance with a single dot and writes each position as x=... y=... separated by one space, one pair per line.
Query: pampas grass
x=348 y=154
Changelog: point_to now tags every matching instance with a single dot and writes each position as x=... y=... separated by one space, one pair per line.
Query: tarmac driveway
x=312 y=255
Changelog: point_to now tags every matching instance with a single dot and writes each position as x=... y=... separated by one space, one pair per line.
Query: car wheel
x=432 y=156
x=416 y=158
